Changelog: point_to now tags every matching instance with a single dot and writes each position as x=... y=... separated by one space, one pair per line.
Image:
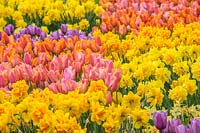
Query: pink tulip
x=109 y=65
x=164 y=7
x=16 y=60
x=94 y=74
x=5 y=89
x=42 y=58
x=104 y=27
x=124 y=3
x=138 y=22
x=3 y=79
x=39 y=73
x=95 y=58
x=15 y=74
x=69 y=73
x=28 y=72
x=27 y=58
x=5 y=66
x=112 y=80
x=78 y=67
x=135 y=7
x=66 y=61
x=86 y=71
x=102 y=73
x=68 y=85
x=53 y=75
x=80 y=57
x=143 y=7
x=53 y=87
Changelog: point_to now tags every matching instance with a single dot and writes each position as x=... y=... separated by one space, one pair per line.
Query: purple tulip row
x=174 y=125
x=37 y=34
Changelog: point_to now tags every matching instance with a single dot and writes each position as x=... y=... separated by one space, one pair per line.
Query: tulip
x=83 y=85
x=69 y=73
x=53 y=87
x=29 y=71
x=173 y=124
x=78 y=67
x=37 y=30
x=68 y=85
x=167 y=129
x=63 y=28
x=53 y=76
x=55 y=35
x=160 y=120
x=27 y=58
x=9 y=29
x=3 y=79
x=94 y=74
x=114 y=79
x=108 y=96
x=42 y=35
x=195 y=125
x=182 y=129
x=104 y=27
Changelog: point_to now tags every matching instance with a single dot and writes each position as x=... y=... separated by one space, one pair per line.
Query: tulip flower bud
x=195 y=125
x=63 y=28
x=173 y=124
x=9 y=29
x=182 y=129
x=160 y=120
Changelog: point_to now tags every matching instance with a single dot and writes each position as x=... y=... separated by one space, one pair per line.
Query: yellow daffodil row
x=49 y=13
x=45 y=111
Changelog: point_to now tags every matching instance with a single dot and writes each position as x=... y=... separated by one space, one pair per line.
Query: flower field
x=95 y=66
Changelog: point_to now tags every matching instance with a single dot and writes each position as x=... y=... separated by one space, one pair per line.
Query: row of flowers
x=50 y=13
x=123 y=16
x=100 y=65
x=68 y=81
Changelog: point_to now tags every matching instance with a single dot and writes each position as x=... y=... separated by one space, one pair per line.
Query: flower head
x=160 y=120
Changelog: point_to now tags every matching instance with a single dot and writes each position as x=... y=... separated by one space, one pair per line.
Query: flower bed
x=100 y=66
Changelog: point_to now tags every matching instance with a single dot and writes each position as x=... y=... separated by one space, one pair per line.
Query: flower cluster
x=122 y=16
x=101 y=66
x=174 y=125
x=50 y=13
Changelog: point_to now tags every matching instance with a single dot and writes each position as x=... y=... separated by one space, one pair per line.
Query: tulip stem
x=160 y=131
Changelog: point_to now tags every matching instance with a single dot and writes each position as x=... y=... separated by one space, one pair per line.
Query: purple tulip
x=75 y=32
x=182 y=129
x=173 y=124
x=82 y=36
x=9 y=29
x=63 y=28
x=195 y=125
x=42 y=35
x=55 y=35
x=0 y=35
x=166 y=130
x=37 y=30
x=30 y=30
x=160 y=120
